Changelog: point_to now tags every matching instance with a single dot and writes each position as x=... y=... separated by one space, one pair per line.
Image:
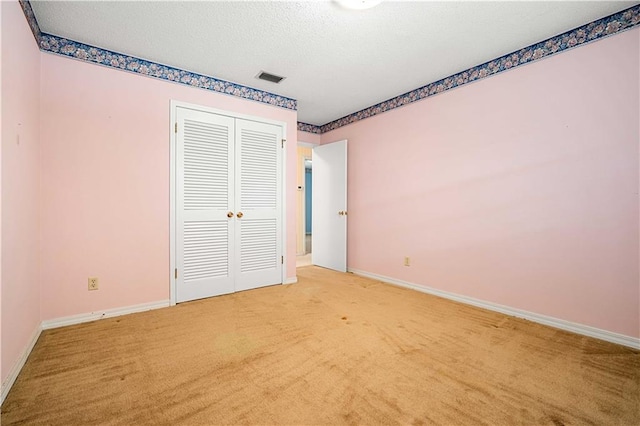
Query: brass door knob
x=239 y=215
x=341 y=213
x=230 y=214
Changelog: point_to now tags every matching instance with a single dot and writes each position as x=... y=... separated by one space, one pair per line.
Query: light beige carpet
x=304 y=260
x=331 y=349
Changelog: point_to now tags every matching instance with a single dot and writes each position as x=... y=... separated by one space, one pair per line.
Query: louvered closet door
x=258 y=197
x=204 y=195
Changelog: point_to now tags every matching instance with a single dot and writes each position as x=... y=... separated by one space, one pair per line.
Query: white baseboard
x=109 y=313
x=17 y=367
x=573 y=327
x=291 y=280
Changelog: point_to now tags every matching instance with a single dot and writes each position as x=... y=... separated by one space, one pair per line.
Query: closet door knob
x=239 y=215
x=230 y=214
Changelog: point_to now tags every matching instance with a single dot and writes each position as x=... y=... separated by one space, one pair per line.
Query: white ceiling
x=335 y=61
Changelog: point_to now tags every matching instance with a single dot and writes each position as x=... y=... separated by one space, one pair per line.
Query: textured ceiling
x=335 y=61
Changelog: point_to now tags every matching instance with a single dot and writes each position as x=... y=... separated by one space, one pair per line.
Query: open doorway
x=305 y=208
x=308 y=210
x=322 y=227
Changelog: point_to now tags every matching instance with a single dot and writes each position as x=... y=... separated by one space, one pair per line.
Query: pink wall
x=2 y=376
x=520 y=189
x=20 y=185
x=309 y=137
x=106 y=140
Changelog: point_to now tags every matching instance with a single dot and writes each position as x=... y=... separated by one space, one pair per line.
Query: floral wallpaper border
x=31 y=19
x=96 y=55
x=309 y=128
x=595 y=30
x=598 y=29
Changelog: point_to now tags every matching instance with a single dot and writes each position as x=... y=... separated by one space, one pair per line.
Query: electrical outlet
x=407 y=261
x=93 y=283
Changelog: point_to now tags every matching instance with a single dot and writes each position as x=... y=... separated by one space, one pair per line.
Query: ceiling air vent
x=270 y=77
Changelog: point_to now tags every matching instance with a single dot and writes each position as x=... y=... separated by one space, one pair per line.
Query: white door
x=258 y=204
x=204 y=197
x=329 y=203
x=228 y=204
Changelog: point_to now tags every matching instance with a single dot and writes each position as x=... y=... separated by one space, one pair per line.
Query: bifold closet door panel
x=258 y=196
x=205 y=146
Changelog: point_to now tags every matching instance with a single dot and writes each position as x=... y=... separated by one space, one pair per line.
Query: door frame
x=174 y=105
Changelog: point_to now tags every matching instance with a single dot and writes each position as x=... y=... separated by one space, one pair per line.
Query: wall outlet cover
x=93 y=283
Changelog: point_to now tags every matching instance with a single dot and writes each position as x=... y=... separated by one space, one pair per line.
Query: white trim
x=283 y=201
x=179 y=104
x=291 y=280
x=108 y=313
x=573 y=327
x=172 y=203
x=17 y=367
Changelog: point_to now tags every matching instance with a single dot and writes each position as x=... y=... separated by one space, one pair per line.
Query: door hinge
x=283 y=141
x=175 y=127
x=282 y=260
x=176 y=273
